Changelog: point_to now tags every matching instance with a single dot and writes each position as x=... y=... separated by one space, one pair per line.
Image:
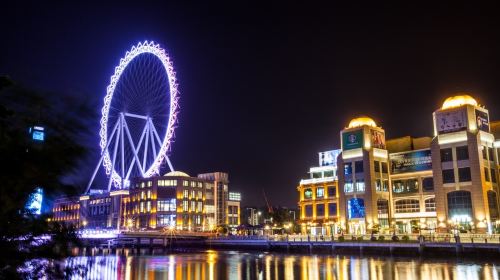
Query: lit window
x=407 y=206
x=320 y=192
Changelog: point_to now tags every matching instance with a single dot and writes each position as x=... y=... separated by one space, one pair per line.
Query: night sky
x=264 y=88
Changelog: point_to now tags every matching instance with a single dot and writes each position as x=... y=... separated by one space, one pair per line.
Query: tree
x=27 y=164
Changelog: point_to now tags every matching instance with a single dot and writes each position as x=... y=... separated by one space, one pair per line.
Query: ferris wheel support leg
x=136 y=158
x=122 y=125
x=138 y=148
x=159 y=143
x=153 y=141
x=102 y=157
x=146 y=148
x=169 y=164
x=115 y=150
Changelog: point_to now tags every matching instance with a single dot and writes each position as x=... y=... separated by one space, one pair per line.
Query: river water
x=250 y=265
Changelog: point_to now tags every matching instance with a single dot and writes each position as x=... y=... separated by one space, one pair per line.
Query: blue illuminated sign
x=356 y=208
x=34 y=204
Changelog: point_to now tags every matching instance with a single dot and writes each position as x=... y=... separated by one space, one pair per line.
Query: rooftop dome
x=357 y=122
x=176 y=174
x=459 y=100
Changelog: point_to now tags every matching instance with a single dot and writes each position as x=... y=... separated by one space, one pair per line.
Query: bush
x=341 y=238
x=360 y=238
x=395 y=238
x=373 y=238
x=405 y=238
x=381 y=238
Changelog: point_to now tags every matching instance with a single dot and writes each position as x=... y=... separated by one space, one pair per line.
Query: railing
x=424 y=238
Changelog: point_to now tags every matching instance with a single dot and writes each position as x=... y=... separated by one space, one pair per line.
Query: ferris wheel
x=139 y=116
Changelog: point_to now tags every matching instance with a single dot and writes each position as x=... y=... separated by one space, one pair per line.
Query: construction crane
x=269 y=208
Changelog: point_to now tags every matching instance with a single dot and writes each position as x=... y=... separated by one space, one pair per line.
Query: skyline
x=260 y=98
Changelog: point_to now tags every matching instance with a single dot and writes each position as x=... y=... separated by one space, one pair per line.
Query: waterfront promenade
x=435 y=244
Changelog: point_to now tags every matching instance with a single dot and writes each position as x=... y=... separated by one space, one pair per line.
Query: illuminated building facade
x=319 y=200
x=364 y=195
x=409 y=185
x=173 y=200
x=66 y=210
x=465 y=165
x=233 y=210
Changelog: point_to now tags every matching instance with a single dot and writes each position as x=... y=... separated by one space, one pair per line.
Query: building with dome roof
x=447 y=182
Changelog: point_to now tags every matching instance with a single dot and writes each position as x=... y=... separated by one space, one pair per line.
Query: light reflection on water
x=212 y=265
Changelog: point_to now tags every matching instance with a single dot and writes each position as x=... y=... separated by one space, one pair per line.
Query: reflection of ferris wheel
x=139 y=116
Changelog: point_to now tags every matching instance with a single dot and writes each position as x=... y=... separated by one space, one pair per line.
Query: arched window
x=430 y=205
x=460 y=206
x=407 y=206
x=493 y=204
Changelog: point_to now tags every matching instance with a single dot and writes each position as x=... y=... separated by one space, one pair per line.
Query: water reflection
x=241 y=265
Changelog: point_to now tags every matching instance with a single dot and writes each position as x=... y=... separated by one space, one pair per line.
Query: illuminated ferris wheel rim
x=141 y=48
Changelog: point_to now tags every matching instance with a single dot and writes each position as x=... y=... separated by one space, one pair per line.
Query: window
x=309 y=210
x=376 y=166
x=446 y=155
x=348 y=187
x=490 y=154
x=493 y=175
x=460 y=206
x=320 y=210
x=378 y=185
x=384 y=167
x=428 y=184
x=407 y=206
x=356 y=208
x=332 y=191
x=185 y=183
x=383 y=212
x=166 y=220
x=167 y=205
x=348 y=168
x=316 y=175
x=185 y=205
x=486 y=174
x=308 y=193
x=148 y=206
x=385 y=185
x=448 y=176
x=200 y=207
x=358 y=166
x=186 y=193
x=360 y=185
x=430 y=205
x=462 y=153
x=483 y=150
x=320 y=192
x=405 y=186
x=493 y=204
x=328 y=173
x=332 y=209
x=193 y=206
x=464 y=174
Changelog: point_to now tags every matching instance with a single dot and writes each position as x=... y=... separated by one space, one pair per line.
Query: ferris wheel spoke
x=115 y=150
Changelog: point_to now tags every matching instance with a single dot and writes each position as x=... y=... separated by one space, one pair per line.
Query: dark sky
x=264 y=88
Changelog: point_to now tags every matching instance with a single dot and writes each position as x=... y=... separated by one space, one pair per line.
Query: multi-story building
x=318 y=200
x=221 y=192
x=252 y=216
x=440 y=183
x=174 y=200
x=66 y=210
x=233 y=210
x=413 y=202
